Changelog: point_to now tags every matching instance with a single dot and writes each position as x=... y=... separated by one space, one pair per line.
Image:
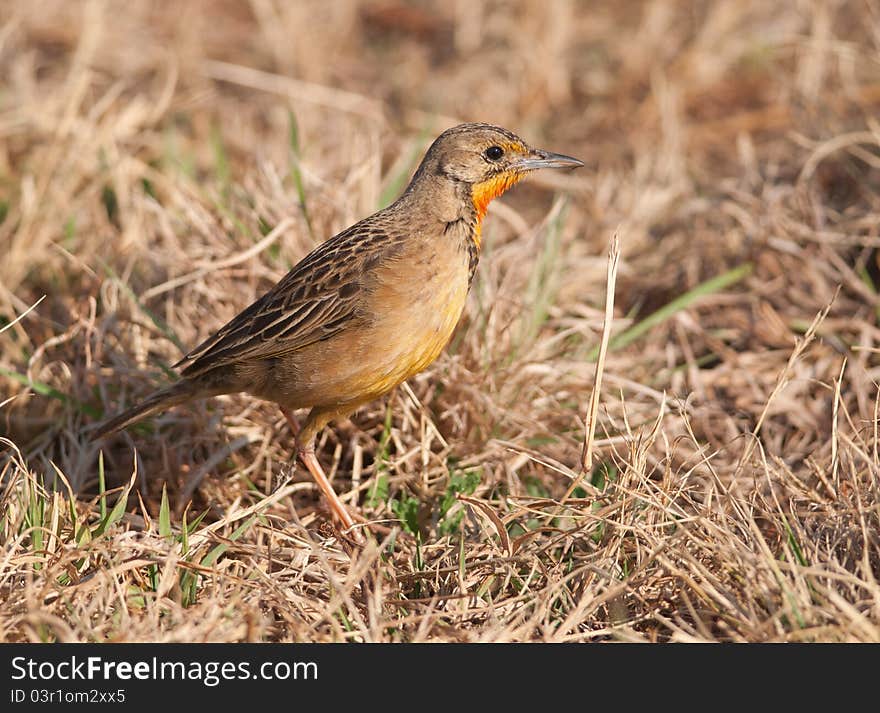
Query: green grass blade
x=221 y=160
x=380 y=460
x=711 y=286
x=210 y=558
x=160 y=323
x=115 y=515
x=195 y=523
x=35 y=520
x=184 y=535
x=165 y=516
x=42 y=389
x=295 y=172
x=395 y=186
x=102 y=486
x=543 y=283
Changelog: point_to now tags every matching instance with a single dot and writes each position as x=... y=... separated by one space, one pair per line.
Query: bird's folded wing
x=318 y=298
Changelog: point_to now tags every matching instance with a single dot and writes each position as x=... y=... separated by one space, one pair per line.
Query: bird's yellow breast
x=426 y=307
x=411 y=304
x=430 y=336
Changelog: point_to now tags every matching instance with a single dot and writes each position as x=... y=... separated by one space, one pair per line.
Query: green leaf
x=603 y=473
x=461 y=483
x=407 y=511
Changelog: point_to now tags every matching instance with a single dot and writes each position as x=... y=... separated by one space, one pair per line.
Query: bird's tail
x=179 y=393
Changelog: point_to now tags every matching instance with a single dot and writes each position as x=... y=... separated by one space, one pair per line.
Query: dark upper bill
x=539 y=158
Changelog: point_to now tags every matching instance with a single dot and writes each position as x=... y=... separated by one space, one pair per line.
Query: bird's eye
x=493 y=153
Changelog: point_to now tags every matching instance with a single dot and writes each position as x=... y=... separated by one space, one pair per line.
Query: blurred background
x=163 y=163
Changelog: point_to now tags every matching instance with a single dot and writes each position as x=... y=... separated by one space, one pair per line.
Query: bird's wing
x=319 y=297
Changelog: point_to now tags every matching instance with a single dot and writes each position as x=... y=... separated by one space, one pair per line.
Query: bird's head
x=485 y=160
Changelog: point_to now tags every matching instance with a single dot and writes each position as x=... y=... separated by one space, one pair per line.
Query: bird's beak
x=538 y=158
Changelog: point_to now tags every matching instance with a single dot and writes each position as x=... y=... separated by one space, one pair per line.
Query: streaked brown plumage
x=368 y=308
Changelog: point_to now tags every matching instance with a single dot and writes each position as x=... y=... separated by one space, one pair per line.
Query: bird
x=366 y=309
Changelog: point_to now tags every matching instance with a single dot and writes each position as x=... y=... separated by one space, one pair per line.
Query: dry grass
x=161 y=165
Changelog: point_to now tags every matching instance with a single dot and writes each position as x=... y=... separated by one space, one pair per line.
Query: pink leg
x=306 y=453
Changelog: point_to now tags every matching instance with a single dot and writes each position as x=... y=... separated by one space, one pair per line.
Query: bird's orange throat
x=483 y=193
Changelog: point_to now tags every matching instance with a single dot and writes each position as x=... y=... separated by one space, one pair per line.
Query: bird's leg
x=305 y=449
x=291 y=421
